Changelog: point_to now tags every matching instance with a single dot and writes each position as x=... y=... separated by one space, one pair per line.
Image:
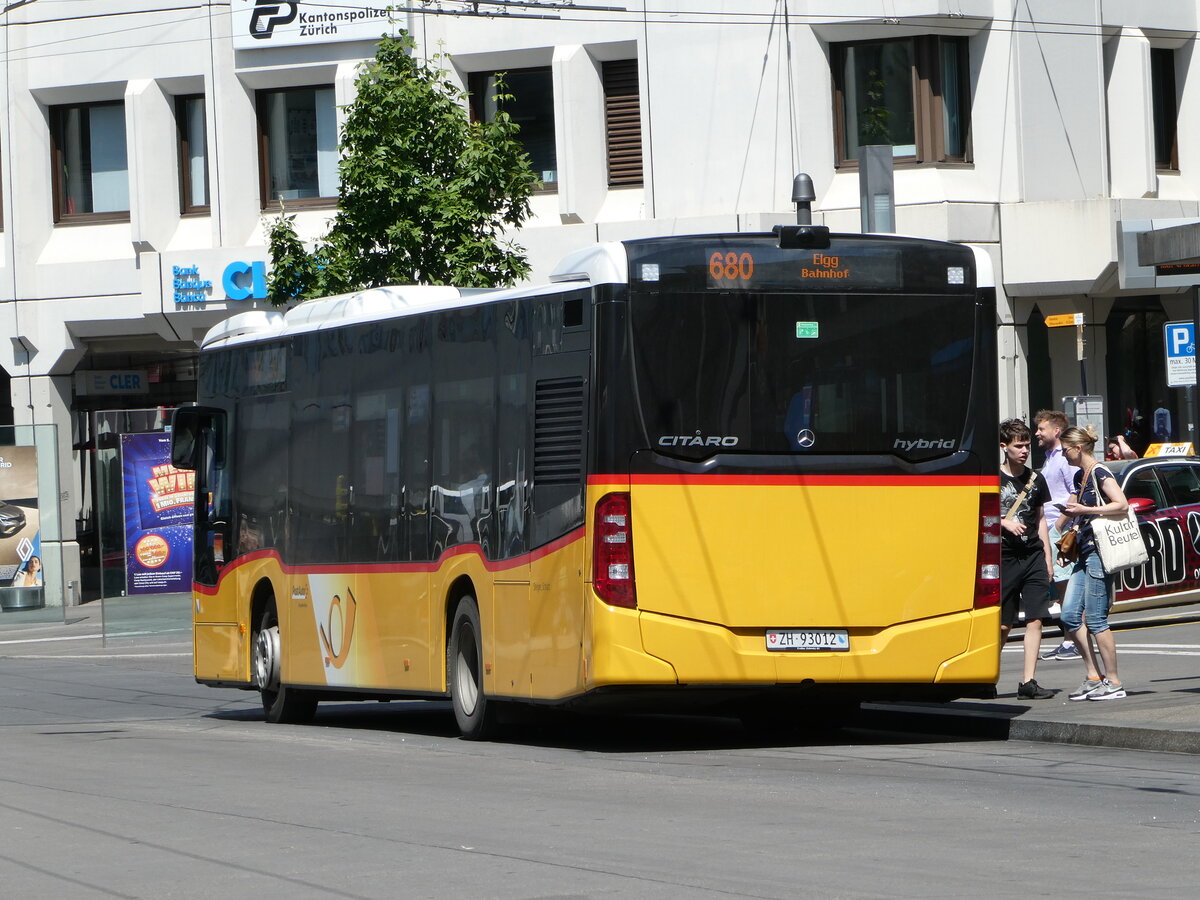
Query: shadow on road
x=644 y=733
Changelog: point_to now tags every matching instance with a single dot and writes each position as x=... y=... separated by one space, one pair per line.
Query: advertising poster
x=20 y=528
x=158 y=516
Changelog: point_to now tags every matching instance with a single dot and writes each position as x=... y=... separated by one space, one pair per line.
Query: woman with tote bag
x=1090 y=589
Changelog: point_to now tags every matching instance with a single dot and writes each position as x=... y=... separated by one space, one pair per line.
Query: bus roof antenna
x=803 y=196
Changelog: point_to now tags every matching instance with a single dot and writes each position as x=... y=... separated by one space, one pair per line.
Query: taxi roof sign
x=1064 y=319
x=1177 y=449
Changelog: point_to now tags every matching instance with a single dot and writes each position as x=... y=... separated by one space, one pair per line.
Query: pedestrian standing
x=1090 y=590
x=1025 y=563
x=1060 y=478
x=1118 y=448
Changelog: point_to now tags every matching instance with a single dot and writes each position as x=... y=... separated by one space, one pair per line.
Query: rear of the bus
x=793 y=477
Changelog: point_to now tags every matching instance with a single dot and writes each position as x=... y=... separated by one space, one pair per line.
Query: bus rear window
x=818 y=373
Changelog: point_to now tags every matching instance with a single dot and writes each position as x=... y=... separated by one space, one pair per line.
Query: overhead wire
x=590 y=14
x=1059 y=107
x=762 y=78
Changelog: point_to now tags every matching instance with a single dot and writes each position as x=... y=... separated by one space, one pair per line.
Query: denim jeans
x=1089 y=595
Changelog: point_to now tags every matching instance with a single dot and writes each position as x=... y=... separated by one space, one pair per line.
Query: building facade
x=144 y=147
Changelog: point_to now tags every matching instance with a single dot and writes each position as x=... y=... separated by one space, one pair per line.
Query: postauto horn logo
x=269 y=15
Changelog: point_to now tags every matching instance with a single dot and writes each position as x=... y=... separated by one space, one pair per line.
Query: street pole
x=1082 y=362
x=1193 y=410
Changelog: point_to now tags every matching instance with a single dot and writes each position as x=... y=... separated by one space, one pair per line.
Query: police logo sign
x=267 y=15
x=258 y=24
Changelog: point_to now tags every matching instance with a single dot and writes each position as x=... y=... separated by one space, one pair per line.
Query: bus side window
x=212 y=515
x=513 y=430
x=464 y=436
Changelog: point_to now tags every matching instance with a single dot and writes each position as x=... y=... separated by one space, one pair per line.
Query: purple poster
x=21 y=576
x=158 y=516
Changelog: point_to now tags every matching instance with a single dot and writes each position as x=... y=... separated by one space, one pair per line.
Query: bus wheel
x=281 y=704
x=473 y=712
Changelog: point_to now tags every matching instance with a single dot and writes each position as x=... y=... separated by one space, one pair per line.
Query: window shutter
x=623 y=122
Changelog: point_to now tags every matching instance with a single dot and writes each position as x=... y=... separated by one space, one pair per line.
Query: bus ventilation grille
x=558 y=431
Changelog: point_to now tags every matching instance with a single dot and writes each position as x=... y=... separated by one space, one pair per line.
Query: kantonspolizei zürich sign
x=257 y=25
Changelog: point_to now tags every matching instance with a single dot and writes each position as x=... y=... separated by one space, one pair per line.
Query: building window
x=911 y=93
x=193 y=154
x=531 y=106
x=623 y=122
x=90 y=163
x=298 y=144
x=1166 y=108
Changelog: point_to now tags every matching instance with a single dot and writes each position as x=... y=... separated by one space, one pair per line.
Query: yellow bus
x=747 y=473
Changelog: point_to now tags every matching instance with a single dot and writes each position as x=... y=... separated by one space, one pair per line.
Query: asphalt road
x=123 y=778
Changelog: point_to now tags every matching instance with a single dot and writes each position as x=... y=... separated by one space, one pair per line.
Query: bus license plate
x=808 y=639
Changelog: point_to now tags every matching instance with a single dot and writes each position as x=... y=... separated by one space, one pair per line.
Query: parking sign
x=1180 y=339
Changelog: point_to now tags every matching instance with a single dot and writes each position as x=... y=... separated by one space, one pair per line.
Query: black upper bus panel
x=755 y=262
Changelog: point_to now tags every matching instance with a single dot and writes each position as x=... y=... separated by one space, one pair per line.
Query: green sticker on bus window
x=807 y=329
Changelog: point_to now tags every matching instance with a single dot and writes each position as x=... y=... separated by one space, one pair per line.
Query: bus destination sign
x=731 y=271
x=737 y=269
x=848 y=264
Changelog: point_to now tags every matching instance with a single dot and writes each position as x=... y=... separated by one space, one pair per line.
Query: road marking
x=1137 y=650
x=93 y=637
x=93 y=655
x=75 y=637
x=1121 y=645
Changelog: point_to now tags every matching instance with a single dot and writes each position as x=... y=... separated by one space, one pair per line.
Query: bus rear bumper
x=641 y=648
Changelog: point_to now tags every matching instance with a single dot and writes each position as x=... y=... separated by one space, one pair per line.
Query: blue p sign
x=1180 y=339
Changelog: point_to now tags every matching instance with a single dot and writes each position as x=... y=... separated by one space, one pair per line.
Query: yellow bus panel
x=636 y=648
x=220 y=653
x=787 y=556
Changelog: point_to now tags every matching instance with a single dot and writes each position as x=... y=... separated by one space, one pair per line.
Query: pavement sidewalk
x=1161 y=711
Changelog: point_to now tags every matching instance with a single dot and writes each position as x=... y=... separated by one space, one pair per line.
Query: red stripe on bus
x=501 y=565
x=984 y=481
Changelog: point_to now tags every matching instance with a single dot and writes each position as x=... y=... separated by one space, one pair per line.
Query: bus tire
x=473 y=711
x=281 y=704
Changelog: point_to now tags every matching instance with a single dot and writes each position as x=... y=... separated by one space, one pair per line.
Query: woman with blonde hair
x=1090 y=589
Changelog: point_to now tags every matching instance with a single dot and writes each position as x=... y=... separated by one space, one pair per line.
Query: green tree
x=874 y=119
x=426 y=193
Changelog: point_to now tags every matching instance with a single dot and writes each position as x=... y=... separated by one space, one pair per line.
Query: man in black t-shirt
x=1026 y=565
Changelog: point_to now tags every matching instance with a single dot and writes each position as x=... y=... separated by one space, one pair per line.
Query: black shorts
x=1025 y=587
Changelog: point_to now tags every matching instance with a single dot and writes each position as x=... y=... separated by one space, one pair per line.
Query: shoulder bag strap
x=1095 y=487
x=1021 y=496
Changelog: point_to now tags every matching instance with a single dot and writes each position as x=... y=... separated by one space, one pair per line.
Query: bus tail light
x=987 y=573
x=612 y=551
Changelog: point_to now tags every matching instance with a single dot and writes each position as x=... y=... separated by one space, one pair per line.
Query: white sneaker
x=1108 y=691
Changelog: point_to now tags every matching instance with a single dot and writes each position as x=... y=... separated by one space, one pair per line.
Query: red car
x=1165 y=493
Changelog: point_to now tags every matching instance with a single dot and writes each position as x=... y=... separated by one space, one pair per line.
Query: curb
x=1007 y=724
x=1117 y=737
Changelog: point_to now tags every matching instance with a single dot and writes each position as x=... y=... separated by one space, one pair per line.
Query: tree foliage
x=426 y=193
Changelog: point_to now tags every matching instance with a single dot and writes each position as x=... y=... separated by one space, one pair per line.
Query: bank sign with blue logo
x=195 y=281
x=257 y=25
